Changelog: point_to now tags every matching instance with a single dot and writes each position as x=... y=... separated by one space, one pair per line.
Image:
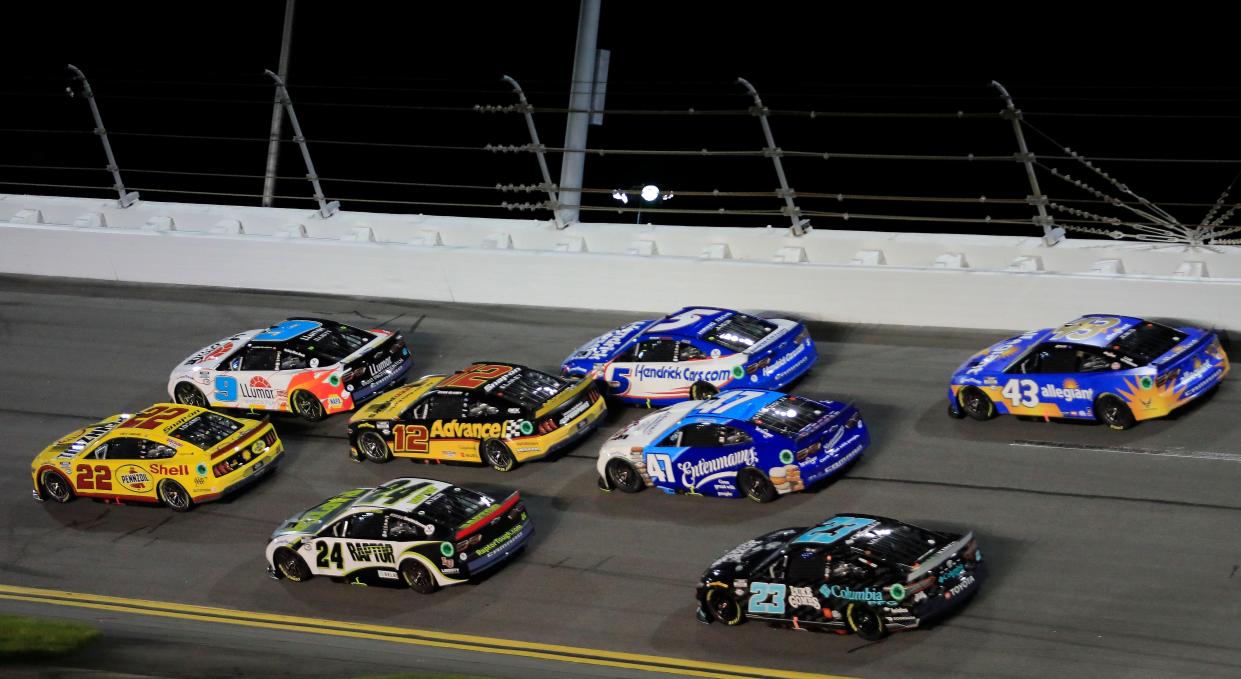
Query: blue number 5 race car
x=1116 y=369
x=742 y=442
x=693 y=354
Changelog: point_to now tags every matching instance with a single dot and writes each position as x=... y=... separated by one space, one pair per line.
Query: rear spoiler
x=811 y=429
x=940 y=557
x=476 y=522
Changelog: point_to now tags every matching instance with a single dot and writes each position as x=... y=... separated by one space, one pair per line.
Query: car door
x=705 y=457
x=122 y=466
x=1046 y=383
x=806 y=573
x=767 y=593
x=433 y=427
x=352 y=544
x=246 y=379
x=646 y=370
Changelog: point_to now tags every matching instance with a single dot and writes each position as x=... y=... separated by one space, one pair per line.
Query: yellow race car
x=497 y=413
x=179 y=455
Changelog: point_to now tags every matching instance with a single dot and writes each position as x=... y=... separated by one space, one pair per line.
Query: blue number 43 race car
x=693 y=354
x=1116 y=369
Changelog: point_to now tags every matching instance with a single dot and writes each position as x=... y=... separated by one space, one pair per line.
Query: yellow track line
x=465 y=642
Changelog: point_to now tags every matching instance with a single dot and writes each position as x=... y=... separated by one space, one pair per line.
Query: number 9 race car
x=423 y=533
x=1115 y=369
x=855 y=573
x=175 y=454
x=760 y=444
x=693 y=354
x=308 y=366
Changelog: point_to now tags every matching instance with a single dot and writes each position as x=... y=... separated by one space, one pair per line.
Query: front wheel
x=291 y=565
x=496 y=454
x=723 y=606
x=701 y=391
x=175 y=496
x=56 y=486
x=307 y=406
x=374 y=447
x=418 y=577
x=624 y=477
x=976 y=403
x=866 y=622
x=1113 y=412
x=756 y=485
x=188 y=394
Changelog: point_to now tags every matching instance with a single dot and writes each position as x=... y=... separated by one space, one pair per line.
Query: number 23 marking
x=767 y=597
x=1021 y=393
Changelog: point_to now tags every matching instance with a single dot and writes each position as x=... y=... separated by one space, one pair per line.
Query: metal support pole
x=277 y=110
x=799 y=225
x=538 y=152
x=126 y=198
x=326 y=209
x=573 y=162
x=1052 y=234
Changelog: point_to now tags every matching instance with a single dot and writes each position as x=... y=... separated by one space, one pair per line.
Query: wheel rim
x=974 y=402
x=622 y=475
x=55 y=486
x=754 y=486
x=190 y=396
x=723 y=607
x=374 y=447
x=175 y=496
x=498 y=455
x=289 y=566
x=306 y=405
x=418 y=577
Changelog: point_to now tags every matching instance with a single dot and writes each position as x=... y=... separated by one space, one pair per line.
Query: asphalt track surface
x=1111 y=553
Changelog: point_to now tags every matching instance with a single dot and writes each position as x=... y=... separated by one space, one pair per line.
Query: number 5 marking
x=1021 y=393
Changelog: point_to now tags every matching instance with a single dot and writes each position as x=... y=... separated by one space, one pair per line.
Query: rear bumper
x=952 y=597
x=248 y=480
x=502 y=551
x=368 y=392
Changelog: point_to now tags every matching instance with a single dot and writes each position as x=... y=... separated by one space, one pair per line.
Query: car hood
x=210 y=356
x=310 y=521
x=644 y=430
x=389 y=405
x=602 y=348
x=999 y=356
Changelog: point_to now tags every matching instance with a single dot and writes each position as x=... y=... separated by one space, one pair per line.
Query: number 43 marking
x=1021 y=393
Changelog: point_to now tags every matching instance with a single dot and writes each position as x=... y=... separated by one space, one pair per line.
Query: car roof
x=287 y=330
x=163 y=429
x=423 y=490
x=484 y=381
x=709 y=317
x=739 y=404
x=1100 y=339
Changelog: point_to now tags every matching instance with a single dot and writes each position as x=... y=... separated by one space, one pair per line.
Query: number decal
x=154 y=417
x=1084 y=328
x=476 y=376
x=687 y=317
x=659 y=467
x=325 y=557
x=225 y=388
x=395 y=493
x=410 y=438
x=98 y=477
x=1021 y=393
x=767 y=598
x=731 y=399
x=835 y=529
x=620 y=380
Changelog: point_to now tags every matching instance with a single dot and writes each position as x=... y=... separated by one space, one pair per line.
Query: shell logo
x=1070 y=383
x=259 y=382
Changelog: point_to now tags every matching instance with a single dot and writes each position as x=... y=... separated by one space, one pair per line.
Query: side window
x=701 y=434
x=732 y=436
x=476 y=408
x=1049 y=358
x=688 y=352
x=401 y=529
x=807 y=566
x=655 y=351
x=291 y=360
x=626 y=356
x=436 y=406
x=150 y=450
x=122 y=448
x=259 y=358
x=368 y=526
x=1090 y=360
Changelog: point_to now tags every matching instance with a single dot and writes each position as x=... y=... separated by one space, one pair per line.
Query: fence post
x=326 y=209
x=799 y=225
x=538 y=152
x=277 y=111
x=126 y=198
x=1052 y=234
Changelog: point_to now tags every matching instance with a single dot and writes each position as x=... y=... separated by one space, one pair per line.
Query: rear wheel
x=701 y=391
x=496 y=454
x=291 y=565
x=1113 y=412
x=623 y=476
x=56 y=486
x=418 y=577
x=866 y=622
x=374 y=447
x=188 y=394
x=723 y=606
x=175 y=496
x=756 y=485
x=306 y=405
x=976 y=404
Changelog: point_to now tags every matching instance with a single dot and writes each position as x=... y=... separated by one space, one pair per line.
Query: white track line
x=1167 y=452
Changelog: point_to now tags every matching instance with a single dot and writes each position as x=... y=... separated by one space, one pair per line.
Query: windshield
x=1148 y=341
x=206 y=430
x=739 y=332
x=789 y=415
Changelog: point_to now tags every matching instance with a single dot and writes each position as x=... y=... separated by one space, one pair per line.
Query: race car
x=1114 y=369
x=750 y=442
x=851 y=573
x=497 y=413
x=309 y=366
x=423 y=533
x=174 y=454
x=693 y=354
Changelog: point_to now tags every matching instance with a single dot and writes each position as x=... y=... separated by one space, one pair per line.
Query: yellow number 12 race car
x=175 y=454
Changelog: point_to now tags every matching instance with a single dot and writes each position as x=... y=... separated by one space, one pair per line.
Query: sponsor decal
x=960 y=587
x=334 y=401
x=952 y=574
x=453 y=429
x=803 y=596
x=574 y=412
x=446 y=548
x=1002 y=350
x=686 y=373
x=786 y=456
x=1146 y=382
x=77 y=445
x=387 y=575
x=450 y=571
x=868 y=594
x=607 y=344
x=370 y=552
x=784 y=360
x=133 y=478
x=170 y=470
x=500 y=541
x=693 y=472
x=259 y=388
x=1069 y=392
x=377 y=368
x=446 y=562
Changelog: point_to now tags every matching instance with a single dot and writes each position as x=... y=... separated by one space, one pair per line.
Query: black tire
x=174 y=496
x=418 y=577
x=955 y=411
x=976 y=403
x=188 y=394
x=56 y=486
x=1113 y=412
x=756 y=485
x=497 y=454
x=724 y=607
x=623 y=476
x=306 y=406
x=291 y=566
x=701 y=391
x=373 y=447
x=865 y=622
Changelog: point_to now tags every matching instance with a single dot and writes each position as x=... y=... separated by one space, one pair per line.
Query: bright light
x=621 y=196
x=650 y=192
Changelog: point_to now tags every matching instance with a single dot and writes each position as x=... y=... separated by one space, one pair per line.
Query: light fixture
x=650 y=193
x=621 y=196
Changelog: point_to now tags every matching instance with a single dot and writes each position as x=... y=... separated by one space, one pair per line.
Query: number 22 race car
x=1116 y=369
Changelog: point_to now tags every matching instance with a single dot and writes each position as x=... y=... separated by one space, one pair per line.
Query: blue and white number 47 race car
x=749 y=442
x=693 y=354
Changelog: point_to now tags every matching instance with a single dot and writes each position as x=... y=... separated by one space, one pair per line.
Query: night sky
x=398 y=77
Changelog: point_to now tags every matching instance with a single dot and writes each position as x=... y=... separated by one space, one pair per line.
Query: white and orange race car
x=307 y=366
